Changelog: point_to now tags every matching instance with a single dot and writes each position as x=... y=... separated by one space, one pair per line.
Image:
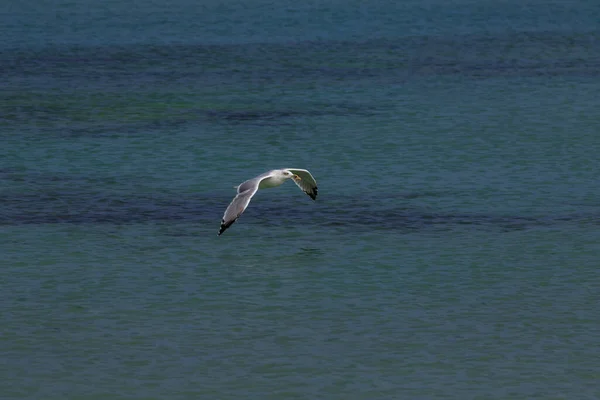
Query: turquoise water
x=452 y=251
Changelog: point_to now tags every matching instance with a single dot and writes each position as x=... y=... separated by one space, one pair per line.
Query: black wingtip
x=224 y=226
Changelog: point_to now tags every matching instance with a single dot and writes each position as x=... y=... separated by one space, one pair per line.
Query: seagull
x=302 y=178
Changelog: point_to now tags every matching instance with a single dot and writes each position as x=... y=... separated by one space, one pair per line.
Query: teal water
x=452 y=251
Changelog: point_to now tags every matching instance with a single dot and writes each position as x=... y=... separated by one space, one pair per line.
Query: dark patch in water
x=275 y=116
x=140 y=66
x=139 y=87
x=97 y=208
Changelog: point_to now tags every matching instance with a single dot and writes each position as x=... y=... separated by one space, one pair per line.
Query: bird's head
x=290 y=175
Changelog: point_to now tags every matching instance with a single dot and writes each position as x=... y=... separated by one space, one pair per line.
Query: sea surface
x=453 y=251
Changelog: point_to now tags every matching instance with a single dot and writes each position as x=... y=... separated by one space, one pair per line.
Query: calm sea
x=453 y=251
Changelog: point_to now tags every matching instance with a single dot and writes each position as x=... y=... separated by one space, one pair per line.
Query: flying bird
x=301 y=177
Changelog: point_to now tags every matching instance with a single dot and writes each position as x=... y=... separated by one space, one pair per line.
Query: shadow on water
x=359 y=214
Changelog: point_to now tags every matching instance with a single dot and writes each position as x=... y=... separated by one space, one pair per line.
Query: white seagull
x=276 y=177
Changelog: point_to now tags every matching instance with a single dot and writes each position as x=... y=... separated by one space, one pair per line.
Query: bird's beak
x=297 y=178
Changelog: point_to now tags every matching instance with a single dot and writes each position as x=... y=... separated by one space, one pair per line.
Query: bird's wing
x=245 y=192
x=307 y=182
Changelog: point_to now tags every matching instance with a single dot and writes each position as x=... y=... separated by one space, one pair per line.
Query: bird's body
x=271 y=182
x=273 y=178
